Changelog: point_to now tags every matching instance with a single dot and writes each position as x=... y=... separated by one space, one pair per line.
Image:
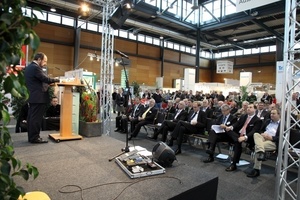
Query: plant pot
x=90 y=129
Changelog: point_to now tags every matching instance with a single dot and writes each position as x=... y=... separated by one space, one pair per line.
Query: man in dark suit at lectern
x=37 y=83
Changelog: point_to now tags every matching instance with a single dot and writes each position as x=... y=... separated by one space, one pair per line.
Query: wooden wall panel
x=205 y=63
x=205 y=75
x=171 y=72
x=90 y=39
x=173 y=56
x=246 y=60
x=267 y=74
x=52 y=32
x=60 y=58
x=142 y=71
x=187 y=59
x=125 y=46
x=149 y=50
x=268 y=57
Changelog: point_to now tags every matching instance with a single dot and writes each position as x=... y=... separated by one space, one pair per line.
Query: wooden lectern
x=65 y=132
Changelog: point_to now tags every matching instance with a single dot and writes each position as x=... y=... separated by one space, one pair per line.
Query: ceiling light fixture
x=52 y=9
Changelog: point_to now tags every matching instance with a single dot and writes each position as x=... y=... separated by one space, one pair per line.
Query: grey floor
x=84 y=163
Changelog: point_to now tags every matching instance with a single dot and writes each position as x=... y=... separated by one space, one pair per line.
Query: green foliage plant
x=15 y=31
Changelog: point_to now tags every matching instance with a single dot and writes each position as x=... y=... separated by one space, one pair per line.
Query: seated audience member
x=135 y=113
x=261 y=112
x=146 y=117
x=234 y=107
x=243 y=110
x=241 y=131
x=169 y=125
x=252 y=98
x=266 y=98
x=266 y=140
x=217 y=109
x=196 y=124
x=52 y=120
x=189 y=106
x=21 y=125
x=170 y=109
x=205 y=108
x=120 y=124
x=225 y=119
x=54 y=109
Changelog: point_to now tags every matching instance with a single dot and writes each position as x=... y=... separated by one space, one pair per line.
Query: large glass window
x=247 y=51
x=273 y=48
x=264 y=49
x=92 y=26
x=141 y=38
x=156 y=41
x=149 y=39
x=40 y=15
x=123 y=33
x=132 y=36
x=55 y=18
x=67 y=21
x=82 y=24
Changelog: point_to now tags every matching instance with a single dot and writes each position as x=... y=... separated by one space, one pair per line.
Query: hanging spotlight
x=84 y=10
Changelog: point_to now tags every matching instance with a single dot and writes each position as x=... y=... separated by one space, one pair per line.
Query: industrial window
x=68 y=21
x=55 y=18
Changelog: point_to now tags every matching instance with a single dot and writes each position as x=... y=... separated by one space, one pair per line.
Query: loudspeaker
x=118 y=17
x=163 y=154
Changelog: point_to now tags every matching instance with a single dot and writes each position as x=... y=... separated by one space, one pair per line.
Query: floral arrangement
x=88 y=106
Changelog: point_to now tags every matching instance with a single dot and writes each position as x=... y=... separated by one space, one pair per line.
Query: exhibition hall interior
x=161 y=99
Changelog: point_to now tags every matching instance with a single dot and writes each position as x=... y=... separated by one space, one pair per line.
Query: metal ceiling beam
x=148 y=9
x=268 y=29
x=241 y=17
x=223 y=39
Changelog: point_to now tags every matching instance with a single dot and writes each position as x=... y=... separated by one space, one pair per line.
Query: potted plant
x=16 y=30
x=89 y=124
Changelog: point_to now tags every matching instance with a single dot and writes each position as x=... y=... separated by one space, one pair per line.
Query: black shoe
x=116 y=130
x=124 y=131
x=231 y=168
x=261 y=156
x=209 y=159
x=170 y=143
x=177 y=151
x=39 y=141
x=253 y=173
x=209 y=152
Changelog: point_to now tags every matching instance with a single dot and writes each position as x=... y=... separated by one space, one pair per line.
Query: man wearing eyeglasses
x=195 y=124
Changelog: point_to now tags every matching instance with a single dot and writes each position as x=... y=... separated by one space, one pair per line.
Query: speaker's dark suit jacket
x=37 y=83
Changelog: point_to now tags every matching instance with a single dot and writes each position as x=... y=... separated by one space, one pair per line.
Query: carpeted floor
x=84 y=165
